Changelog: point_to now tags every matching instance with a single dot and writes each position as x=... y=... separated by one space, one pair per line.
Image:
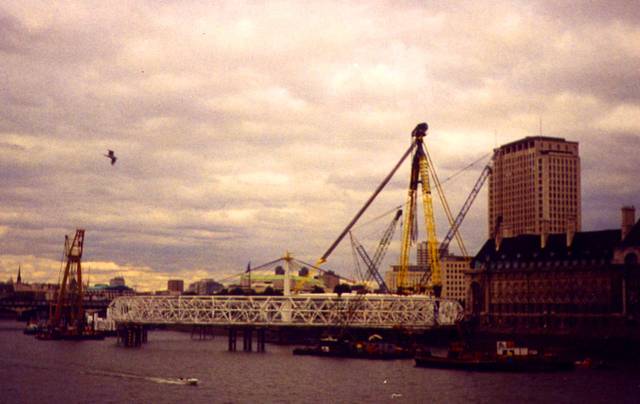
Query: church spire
x=19 y=280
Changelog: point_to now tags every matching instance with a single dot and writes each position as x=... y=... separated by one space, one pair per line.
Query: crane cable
x=443 y=201
x=452 y=176
x=449 y=178
x=445 y=205
x=356 y=261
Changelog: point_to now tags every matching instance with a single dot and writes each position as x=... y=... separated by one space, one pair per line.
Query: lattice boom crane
x=420 y=175
x=465 y=209
x=458 y=221
x=373 y=264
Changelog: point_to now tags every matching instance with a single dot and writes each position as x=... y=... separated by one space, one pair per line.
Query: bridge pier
x=132 y=335
x=247 y=340
x=232 y=339
x=261 y=337
x=202 y=332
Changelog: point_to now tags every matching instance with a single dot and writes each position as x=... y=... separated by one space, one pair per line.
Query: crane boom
x=324 y=257
x=386 y=239
x=373 y=270
x=465 y=209
x=460 y=217
x=373 y=264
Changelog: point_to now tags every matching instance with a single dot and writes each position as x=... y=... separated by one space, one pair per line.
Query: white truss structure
x=308 y=310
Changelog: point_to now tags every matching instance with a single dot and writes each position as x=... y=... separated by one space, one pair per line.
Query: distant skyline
x=245 y=129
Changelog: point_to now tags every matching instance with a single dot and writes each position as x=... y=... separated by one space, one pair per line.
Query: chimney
x=544 y=234
x=571 y=230
x=498 y=239
x=497 y=232
x=503 y=232
x=628 y=219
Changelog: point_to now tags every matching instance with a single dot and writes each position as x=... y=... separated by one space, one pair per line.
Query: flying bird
x=112 y=156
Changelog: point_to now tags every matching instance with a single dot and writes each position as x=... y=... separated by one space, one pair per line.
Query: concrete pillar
x=131 y=335
x=247 y=340
x=261 y=337
x=232 y=339
x=137 y=336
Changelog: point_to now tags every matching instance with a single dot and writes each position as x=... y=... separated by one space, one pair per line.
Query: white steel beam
x=308 y=310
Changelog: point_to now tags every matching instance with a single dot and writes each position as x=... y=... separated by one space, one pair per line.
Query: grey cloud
x=244 y=130
x=589 y=12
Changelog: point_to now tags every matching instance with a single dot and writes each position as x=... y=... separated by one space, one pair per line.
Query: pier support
x=261 y=336
x=131 y=336
x=202 y=332
x=232 y=339
x=247 y=340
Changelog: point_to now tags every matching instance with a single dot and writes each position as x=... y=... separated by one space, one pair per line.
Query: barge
x=507 y=358
x=373 y=348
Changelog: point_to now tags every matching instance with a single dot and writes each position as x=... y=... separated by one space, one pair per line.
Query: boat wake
x=159 y=380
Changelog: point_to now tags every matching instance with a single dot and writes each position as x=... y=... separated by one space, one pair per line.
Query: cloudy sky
x=245 y=129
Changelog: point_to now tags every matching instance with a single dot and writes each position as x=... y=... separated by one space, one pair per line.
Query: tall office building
x=535 y=187
x=422 y=254
x=175 y=285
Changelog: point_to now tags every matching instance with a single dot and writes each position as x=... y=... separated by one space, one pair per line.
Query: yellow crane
x=419 y=175
x=422 y=172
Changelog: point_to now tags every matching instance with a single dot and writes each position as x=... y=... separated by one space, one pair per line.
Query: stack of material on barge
x=507 y=358
x=373 y=348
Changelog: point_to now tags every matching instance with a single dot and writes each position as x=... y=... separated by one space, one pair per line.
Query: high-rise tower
x=535 y=187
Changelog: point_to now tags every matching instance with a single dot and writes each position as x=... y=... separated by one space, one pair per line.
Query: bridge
x=414 y=312
x=22 y=307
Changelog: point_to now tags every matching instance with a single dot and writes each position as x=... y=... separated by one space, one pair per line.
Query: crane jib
x=366 y=205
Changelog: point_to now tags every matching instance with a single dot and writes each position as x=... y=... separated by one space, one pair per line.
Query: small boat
x=588 y=363
x=31 y=329
x=190 y=381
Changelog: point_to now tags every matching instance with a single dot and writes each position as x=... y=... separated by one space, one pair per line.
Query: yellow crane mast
x=420 y=175
x=422 y=172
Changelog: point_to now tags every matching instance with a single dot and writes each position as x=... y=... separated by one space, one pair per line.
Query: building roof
x=527 y=247
x=534 y=138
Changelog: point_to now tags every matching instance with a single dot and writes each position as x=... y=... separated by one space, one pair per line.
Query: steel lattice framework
x=313 y=310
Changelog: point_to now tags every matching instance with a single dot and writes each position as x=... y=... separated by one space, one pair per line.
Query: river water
x=33 y=371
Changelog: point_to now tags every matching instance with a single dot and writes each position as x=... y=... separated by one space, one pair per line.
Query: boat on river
x=507 y=358
x=190 y=381
x=32 y=329
x=373 y=348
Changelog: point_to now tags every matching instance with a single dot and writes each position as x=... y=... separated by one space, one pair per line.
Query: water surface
x=33 y=371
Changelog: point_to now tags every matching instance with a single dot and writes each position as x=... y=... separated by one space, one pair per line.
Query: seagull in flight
x=112 y=156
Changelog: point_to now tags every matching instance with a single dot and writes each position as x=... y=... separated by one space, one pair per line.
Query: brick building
x=561 y=283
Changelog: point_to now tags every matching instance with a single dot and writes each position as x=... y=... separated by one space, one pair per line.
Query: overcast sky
x=245 y=129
